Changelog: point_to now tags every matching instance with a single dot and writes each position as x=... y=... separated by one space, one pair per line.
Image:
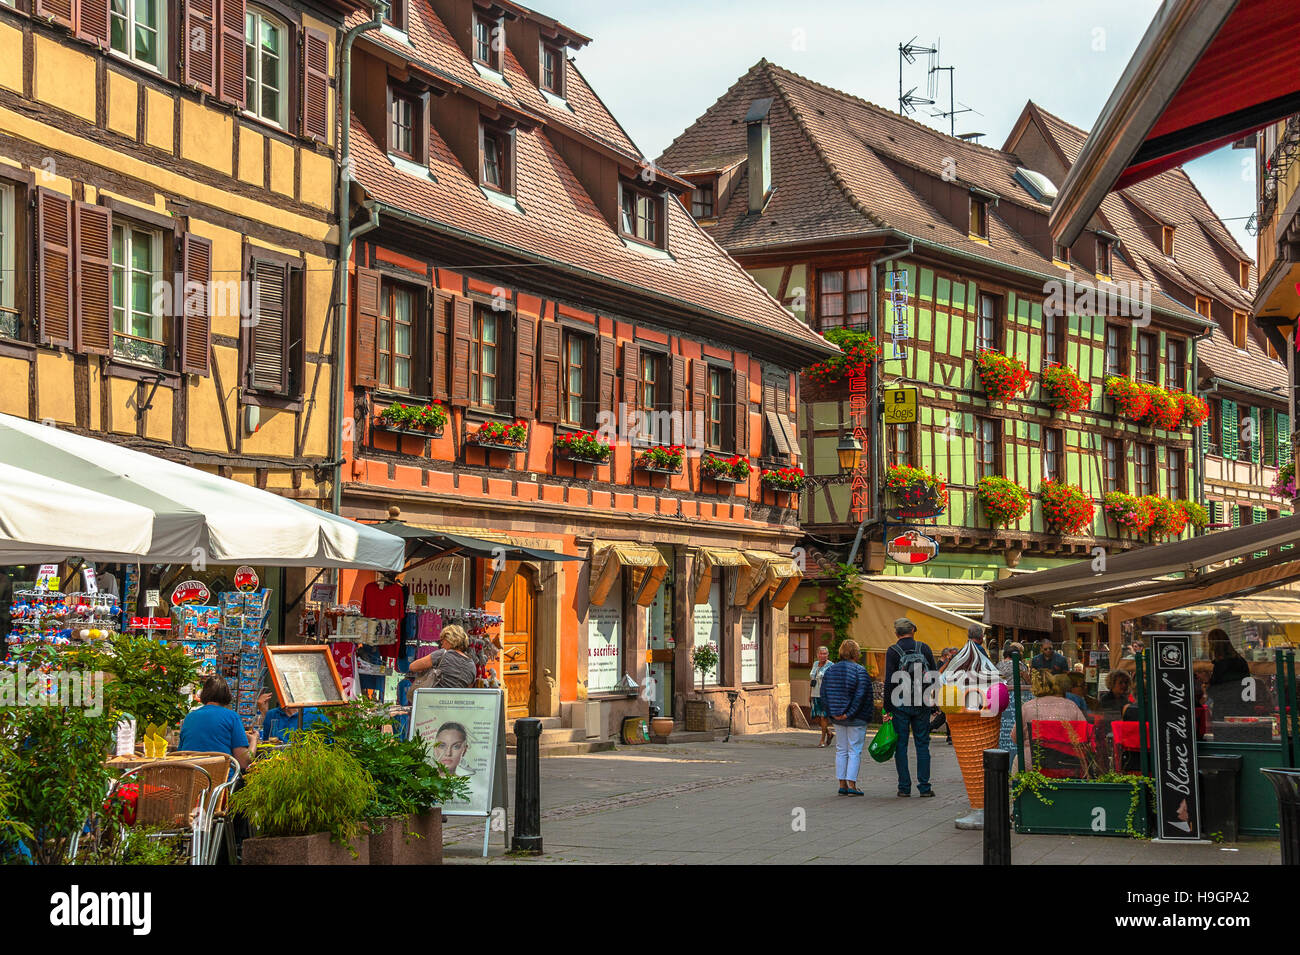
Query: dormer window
x=641 y=215
x=1203 y=307
x=552 y=69
x=1061 y=254
x=1103 y=257
x=1239 y=330
x=496 y=159
x=1167 y=240
x=979 y=217
x=395 y=15
x=488 y=41
x=703 y=199
x=408 y=124
x=1243 y=274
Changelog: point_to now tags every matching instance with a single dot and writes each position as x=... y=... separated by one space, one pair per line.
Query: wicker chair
x=172 y=794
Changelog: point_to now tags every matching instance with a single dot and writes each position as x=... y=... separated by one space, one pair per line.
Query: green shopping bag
x=885 y=742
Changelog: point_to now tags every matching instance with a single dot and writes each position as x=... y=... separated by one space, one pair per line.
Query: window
x=1243 y=274
x=702 y=200
x=1113 y=461
x=484 y=358
x=496 y=160
x=1062 y=254
x=979 y=217
x=1146 y=469
x=1203 y=307
x=986 y=447
x=401 y=126
x=1177 y=463
x=1216 y=426
x=273 y=340
x=1146 y=358
x=648 y=392
x=1116 y=351
x=137 y=30
x=1271 y=351
x=1245 y=515
x=901 y=445
x=1239 y=329
x=1167 y=240
x=642 y=216
x=393 y=344
x=1175 y=363
x=8 y=258
x=576 y=369
x=1053 y=454
x=552 y=63
x=986 y=322
x=751 y=642
x=266 y=66
x=714 y=411
x=487 y=41
x=137 y=265
x=1103 y=257
x=843 y=299
x=1053 y=340
x=395 y=14
x=1245 y=433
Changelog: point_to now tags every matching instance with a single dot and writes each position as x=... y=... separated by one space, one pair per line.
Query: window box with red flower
x=857 y=351
x=733 y=470
x=1064 y=390
x=583 y=447
x=1195 y=513
x=914 y=487
x=424 y=420
x=499 y=436
x=784 y=479
x=661 y=459
x=1131 y=401
x=1195 y=411
x=1003 y=376
x=1004 y=501
x=1066 y=508
x=1129 y=513
x=1164 y=411
x=1168 y=519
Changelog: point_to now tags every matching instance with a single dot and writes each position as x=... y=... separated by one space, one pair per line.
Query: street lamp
x=849 y=451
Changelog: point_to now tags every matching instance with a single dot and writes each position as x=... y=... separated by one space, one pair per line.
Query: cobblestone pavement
x=738 y=802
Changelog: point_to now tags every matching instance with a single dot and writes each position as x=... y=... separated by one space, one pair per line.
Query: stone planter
x=697 y=716
x=316 y=849
x=407 y=840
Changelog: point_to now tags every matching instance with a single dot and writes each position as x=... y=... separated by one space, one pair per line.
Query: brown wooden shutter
x=200 y=43
x=196 y=320
x=315 y=84
x=54 y=241
x=525 y=365
x=230 y=79
x=366 y=364
x=92 y=21
x=699 y=386
x=607 y=358
x=632 y=375
x=268 y=358
x=677 y=365
x=59 y=11
x=551 y=362
x=94 y=279
x=441 y=306
x=462 y=330
x=741 y=417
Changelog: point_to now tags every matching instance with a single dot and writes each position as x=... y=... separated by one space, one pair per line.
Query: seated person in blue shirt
x=215 y=728
x=277 y=723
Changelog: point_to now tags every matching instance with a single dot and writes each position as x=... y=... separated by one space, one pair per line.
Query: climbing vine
x=842 y=605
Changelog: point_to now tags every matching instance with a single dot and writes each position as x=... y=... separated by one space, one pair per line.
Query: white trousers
x=848 y=750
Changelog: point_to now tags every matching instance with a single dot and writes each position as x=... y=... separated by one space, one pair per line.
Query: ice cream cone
x=971 y=735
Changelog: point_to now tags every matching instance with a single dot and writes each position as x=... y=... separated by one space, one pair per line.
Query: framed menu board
x=304 y=676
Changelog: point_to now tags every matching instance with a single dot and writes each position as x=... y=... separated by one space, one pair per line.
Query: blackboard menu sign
x=1173 y=728
x=305 y=676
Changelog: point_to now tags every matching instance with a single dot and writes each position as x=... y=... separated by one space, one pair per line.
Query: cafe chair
x=217 y=823
x=1061 y=748
x=1125 y=742
x=172 y=795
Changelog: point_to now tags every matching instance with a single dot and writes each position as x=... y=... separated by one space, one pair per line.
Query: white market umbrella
x=125 y=505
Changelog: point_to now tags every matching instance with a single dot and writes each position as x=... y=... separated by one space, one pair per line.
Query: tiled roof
x=560 y=223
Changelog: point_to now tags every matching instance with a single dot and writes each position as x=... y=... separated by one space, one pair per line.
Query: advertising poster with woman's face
x=462 y=728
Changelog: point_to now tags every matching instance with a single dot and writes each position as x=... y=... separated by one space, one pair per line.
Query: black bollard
x=997 y=807
x=528 y=787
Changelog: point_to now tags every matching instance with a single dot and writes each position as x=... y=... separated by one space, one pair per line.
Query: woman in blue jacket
x=846 y=691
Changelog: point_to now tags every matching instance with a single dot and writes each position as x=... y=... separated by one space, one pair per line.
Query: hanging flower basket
x=1064 y=390
x=914 y=487
x=427 y=420
x=1129 y=513
x=1195 y=514
x=498 y=436
x=1131 y=401
x=733 y=470
x=583 y=447
x=857 y=351
x=1003 y=376
x=1164 y=410
x=1168 y=519
x=1284 y=486
x=1066 y=508
x=784 y=479
x=1195 y=411
x=661 y=459
x=1004 y=501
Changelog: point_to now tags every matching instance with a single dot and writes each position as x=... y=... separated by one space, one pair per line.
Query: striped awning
x=643 y=561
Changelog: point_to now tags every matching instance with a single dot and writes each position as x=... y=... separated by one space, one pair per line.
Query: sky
x=659 y=67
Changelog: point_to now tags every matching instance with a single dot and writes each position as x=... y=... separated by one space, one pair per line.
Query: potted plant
x=308 y=803
x=661 y=459
x=1128 y=512
x=1164 y=410
x=1195 y=411
x=704 y=658
x=149 y=679
x=1284 y=486
x=1131 y=401
x=916 y=487
x=857 y=351
x=1003 y=376
x=421 y=419
x=1195 y=514
x=1004 y=501
x=1064 y=390
x=784 y=479
x=1066 y=508
x=1112 y=804
x=732 y=470
x=499 y=436
x=583 y=447
x=405 y=815
x=1168 y=519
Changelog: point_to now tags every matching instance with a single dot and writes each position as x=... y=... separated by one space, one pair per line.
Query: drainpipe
x=1198 y=446
x=346 y=235
x=874 y=412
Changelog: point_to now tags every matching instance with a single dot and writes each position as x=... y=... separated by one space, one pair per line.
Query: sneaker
x=903 y=795
x=843 y=791
x=929 y=793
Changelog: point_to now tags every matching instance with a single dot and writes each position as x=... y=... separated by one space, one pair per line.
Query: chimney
x=758 y=139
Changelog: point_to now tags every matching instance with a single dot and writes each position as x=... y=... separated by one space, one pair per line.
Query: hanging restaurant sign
x=912 y=547
x=899 y=406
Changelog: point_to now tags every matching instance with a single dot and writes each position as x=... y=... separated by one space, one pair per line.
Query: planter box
x=1082 y=809
x=316 y=849
x=490 y=446
x=726 y=479
x=418 y=432
x=649 y=470
x=407 y=840
x=579 y=459
x=697 y=716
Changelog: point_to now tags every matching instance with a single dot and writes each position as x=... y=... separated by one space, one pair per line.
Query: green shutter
x=1216 y=512
x=1269 y=451
x=1258 y=515
x=1283 y=439
x=1256 y=443
x=1228 y=425
x=1205 y=436
x=1236 y=514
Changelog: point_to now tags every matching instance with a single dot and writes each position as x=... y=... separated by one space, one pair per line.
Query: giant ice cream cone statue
x=971 y=735
x=972 y=710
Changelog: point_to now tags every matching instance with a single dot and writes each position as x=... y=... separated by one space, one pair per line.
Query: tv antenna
x=909 y=101
x=952 y=111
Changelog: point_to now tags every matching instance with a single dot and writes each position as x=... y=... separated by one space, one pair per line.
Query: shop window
x=1177 y=478
x=708 y=628
x=1113 y=462
x=486 y=346
x=10 y=324
x=579 y=402
x=663 y=639
x=1146 y=469
x=1175 y=363
x=266 y=66
x=800 y=648
x=901 y=446
x=394 y=344
x=641 y=215
x=1116 y=351
x=1053 y=454
x=1146 y=358
x=138 y=325
x=489 y=41
x=552 y=64
x=987 y=435
x=138 y=31
x=987 y=324
x=605 y=646
x=843 y=298
x=751 y=645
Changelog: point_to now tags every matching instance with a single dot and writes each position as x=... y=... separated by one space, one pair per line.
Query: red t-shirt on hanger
x=384 y=602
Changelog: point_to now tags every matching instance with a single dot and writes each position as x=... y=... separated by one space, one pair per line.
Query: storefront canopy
x=424 y=543
x=644 y=561
x=884 y=601
x=1206 y=73
x=65 y=495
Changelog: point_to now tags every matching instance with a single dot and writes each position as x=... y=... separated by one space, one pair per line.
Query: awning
x=882 y=604
x=709 y=558
x=643 y=561
x=427 y=543
x=769 y=575
x=66 y=495
x=1206 y=73
x=955 y=596
x=1258 y=609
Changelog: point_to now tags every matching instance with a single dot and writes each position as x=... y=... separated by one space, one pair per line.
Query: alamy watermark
x=1118 y=298
x=82 y=689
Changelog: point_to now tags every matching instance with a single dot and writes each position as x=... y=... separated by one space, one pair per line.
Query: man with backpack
x=906 y=701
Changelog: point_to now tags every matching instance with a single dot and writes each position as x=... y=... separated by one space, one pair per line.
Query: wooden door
x=517 y=648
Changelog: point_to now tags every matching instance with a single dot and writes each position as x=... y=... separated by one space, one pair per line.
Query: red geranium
x=1065 y=390
x=1066 y=508
x=1003 y=376
x=1130 y=400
